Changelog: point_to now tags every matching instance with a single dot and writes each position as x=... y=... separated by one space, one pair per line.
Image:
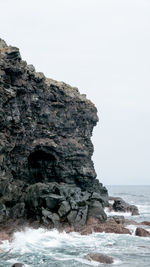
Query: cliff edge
x=46 y=171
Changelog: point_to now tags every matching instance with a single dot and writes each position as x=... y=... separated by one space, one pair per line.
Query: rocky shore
x=46 y=171
x=47 y=177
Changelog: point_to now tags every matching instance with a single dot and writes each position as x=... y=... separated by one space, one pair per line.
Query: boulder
x=142 y=232
x=96 y=210
x=110 y=226
x=121 y=206
x=81 y=217
x=72 y=216
x=52 y=217
x=64 y=208
x=99 y=258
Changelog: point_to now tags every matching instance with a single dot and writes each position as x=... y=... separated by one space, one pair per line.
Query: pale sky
x=103 y=48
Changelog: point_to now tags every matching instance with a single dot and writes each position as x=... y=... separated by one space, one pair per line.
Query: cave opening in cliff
x=42 y=167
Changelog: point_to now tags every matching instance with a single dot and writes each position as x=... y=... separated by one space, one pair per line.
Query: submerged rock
x=142 y=232
x=99 y=258
x=145 y=223
x=46 y=171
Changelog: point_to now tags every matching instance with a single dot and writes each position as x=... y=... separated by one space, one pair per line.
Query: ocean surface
x=53 y=249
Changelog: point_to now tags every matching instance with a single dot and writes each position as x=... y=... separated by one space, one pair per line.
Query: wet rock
x=145 y=223
x=134 y=210
x=142 y=232
x=99 y=258
x=110 y=226
x=121 y=206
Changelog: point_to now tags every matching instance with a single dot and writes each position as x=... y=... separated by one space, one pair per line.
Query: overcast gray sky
x=103 y=48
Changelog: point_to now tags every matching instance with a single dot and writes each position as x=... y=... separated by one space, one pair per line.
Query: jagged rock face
x=45 y=131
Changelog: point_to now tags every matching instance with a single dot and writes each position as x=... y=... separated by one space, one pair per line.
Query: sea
x=49 y=248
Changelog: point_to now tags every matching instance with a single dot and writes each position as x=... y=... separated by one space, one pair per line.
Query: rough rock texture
x=46 y=171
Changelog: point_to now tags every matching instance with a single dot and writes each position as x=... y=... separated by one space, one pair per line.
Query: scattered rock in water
x=1 y=251
x=119 y=205
x=142 y=232
x=145 y=223
x=134 y=210
x=110 y=226
x=99 y=258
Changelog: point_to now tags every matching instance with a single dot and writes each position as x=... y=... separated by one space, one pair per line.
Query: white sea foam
x=132 y=228
x=114 y=213
x=144 y=208
x=40 y=247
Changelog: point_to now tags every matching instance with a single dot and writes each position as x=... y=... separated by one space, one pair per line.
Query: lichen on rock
x=46 y=171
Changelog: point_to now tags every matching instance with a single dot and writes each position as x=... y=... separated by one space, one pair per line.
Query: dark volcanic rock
x=46 y=171
x=121 y=206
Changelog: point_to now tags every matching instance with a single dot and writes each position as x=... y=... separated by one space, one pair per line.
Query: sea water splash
x=49 y=248
x=136 y=195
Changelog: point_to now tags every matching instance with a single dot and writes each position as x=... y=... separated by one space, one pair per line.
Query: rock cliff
x=46 y=171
